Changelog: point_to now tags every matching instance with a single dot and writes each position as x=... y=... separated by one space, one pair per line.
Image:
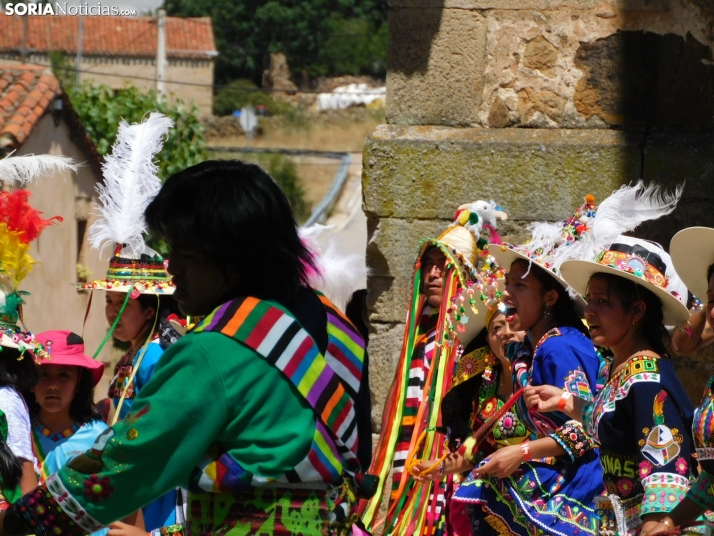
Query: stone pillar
x=533 y=103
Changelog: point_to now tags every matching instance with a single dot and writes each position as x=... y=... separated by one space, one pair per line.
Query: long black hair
x=563 y=311
x=235 y=214
x=629 y=293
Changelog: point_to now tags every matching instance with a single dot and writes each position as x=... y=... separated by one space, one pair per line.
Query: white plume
x=544 y=236
x=339 y=275
x=621 y=212
x=628 y=207
x=28 y=168
x=130 y=183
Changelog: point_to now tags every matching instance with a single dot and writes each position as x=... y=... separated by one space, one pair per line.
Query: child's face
x=132 y=320
x=56 y=387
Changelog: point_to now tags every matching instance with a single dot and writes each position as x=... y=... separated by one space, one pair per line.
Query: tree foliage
x=319 y=37
x=101 y=108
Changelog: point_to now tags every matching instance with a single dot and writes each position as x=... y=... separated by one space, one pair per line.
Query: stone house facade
x=36 y=118
x=118 y=51
x=533 y=103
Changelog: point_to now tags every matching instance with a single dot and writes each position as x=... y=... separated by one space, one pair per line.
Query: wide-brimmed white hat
x=692 y=252
x=507 y=254
x=639 y=261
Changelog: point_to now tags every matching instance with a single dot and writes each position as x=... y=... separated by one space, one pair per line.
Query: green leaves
x=101 y=108
x=319 y=37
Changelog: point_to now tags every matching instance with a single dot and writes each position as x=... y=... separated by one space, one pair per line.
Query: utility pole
x=78 y=63
x=23 y=49
x=161 y=54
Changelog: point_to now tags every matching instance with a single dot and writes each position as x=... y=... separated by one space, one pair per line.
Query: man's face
x=432 y=276
x=200 y=283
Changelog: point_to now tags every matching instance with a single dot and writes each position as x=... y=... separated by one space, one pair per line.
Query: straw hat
x=639 y=261
x=692 y=252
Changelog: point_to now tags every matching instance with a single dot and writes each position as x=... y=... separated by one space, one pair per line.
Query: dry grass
x=336 y=130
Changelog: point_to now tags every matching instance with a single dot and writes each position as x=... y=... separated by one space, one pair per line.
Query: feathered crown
x=338 y=275
x=620 y=213
x=462 y=241
x=130 y=183
x=21 y=224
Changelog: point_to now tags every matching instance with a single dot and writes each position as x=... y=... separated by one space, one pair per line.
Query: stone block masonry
x=551 y=63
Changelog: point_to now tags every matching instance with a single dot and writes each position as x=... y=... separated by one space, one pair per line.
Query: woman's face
x=133 y=319
x=56 y=387
x=500 y=334
x=608 y=320
x=524 y=297
x=200 y=283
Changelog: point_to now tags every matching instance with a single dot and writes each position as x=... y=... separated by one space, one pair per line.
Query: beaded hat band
x=642 y=264
x=145 y=275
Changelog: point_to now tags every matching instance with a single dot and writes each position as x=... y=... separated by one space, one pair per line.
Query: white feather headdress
x=28 y=168
x=130 y=183
x=621 y=212
x=339 y=275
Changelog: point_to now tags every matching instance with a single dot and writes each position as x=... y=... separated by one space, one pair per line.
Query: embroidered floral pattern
x=97 y=488
x=682 y=466
x=573 y=439
x=702 y=491
x=644 y=469
x=663 y=491
x=625 y=486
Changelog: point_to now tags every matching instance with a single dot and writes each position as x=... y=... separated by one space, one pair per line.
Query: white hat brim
x=692 y=252
x=506 y=257
x=578 y=273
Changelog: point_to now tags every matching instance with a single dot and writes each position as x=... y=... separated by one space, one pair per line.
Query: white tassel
x=28 y=168
x=339 y=275
x=130 y=185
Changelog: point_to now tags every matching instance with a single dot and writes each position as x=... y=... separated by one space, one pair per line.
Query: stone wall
x=610 y=92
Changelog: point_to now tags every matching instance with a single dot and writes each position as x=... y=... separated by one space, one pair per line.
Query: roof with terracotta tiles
x=26 y=91
x=110 y=36
x=26 y=94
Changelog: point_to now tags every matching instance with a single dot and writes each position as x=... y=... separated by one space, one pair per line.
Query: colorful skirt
x=542 y=499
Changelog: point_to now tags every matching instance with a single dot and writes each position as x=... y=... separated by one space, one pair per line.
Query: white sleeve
x=19 y=433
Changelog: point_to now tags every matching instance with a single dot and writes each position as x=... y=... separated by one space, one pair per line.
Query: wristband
x=564 y=400
x=526 y=450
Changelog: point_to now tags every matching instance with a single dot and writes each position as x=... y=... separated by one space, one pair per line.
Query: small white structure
x=351 y=95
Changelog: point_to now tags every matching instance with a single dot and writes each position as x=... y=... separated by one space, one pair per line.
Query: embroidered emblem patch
x=660 y=446
x=577 y=383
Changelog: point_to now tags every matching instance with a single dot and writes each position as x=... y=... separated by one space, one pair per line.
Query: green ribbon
x=111 y=329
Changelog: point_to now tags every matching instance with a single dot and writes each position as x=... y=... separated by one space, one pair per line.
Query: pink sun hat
x=66 y=348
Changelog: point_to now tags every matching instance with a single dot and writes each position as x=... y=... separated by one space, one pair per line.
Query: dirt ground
x=334 y=130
